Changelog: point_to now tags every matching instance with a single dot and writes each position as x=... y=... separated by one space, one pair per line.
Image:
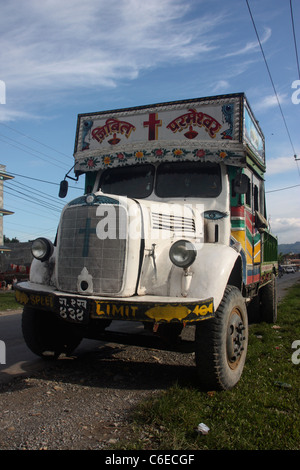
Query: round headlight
x=42 y=249
x=182 y=253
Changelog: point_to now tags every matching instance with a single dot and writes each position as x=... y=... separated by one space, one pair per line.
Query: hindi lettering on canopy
x=212 y=125
x=127 y=128
x=112 y=126
x=183 y=121
x=173 y=126
x=99 y=133
x=191 y=117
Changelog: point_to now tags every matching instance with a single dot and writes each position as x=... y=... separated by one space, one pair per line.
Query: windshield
x=135 y=181
x=188 y=179
x=176 y=179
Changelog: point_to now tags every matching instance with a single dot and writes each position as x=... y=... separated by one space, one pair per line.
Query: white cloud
x=221 y=86
x=10 y=114
x=59 y=45
x=287 y=229
x=271 y=101
x=280 y=165
x=252 y=46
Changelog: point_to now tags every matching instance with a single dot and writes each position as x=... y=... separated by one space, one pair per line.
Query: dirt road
x=85 y=402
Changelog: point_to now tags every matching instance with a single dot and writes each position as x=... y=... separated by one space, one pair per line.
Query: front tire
x=221 y=343
x=48 y=336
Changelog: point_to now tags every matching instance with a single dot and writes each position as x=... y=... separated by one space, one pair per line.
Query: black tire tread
x=208 y=340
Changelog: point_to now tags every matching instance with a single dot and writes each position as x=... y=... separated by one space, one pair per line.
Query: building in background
x=3 y=249
x=3 y=176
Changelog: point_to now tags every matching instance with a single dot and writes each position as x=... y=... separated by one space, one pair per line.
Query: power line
x=42 y=181
x=35 y=192
x=275 y=92
x=32 y=200
x=30 y=148
x=34 y=213
x=30 y=153
x=28 y=226
x=34 y=140
x=294 y=35
x=282 y=189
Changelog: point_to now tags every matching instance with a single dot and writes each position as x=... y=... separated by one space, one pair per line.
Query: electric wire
x=32 y=200
x=282 y=189
x=30 y=148
x=35 y=140
x=42 y=181
x=34 y=234
x=30 y=153
x=12 y=206
x=294 y=36
x=272 y=82
x=35 y=192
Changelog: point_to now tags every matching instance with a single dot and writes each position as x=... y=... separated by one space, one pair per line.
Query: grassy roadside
x=8 y=302
x=261 y=413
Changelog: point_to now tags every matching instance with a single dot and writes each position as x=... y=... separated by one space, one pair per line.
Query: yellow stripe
x=239 y=236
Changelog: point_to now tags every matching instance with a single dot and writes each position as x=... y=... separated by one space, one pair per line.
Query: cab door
x=253 y=237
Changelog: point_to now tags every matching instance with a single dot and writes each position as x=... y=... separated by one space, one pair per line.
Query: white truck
x=171 y=232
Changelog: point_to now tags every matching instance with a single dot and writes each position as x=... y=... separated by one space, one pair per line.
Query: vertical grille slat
x=80 y=247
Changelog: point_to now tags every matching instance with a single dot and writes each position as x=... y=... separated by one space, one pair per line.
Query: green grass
x=261 y=413
x=8 y=302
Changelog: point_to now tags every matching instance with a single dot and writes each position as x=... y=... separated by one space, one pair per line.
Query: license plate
x=74 y=310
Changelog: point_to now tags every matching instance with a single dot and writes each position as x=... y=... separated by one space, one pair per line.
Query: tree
x=8 y=240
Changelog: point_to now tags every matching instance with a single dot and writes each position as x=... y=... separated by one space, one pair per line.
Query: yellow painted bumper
x=80 y=309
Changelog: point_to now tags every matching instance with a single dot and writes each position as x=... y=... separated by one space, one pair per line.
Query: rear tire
x=221 y=343
x=268 y=301
x=48 y=336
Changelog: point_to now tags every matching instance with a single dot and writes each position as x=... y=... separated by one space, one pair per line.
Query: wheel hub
x=235 y=339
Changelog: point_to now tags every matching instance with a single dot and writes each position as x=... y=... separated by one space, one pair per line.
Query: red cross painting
x=153 y=125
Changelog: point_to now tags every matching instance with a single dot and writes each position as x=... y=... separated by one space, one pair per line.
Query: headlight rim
x=48 y=249
x=192 y=254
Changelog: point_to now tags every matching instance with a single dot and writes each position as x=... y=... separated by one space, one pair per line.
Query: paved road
x=285 y=282
x=20 y=360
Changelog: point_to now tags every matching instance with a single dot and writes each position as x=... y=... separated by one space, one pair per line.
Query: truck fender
x=214 y=268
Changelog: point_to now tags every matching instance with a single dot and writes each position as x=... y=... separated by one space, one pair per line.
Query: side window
x=255 y=198
x=262 y=206
x=248 y=193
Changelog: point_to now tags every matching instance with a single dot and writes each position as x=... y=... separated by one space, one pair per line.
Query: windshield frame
x=127 y=170
x=152 y=185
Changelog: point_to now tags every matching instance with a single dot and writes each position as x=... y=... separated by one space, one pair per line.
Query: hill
x=286 y=248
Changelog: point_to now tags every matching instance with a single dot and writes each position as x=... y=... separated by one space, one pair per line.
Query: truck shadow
x=112 y=367
x=118 y=366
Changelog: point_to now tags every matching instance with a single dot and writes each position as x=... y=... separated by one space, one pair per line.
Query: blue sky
x=59 y=59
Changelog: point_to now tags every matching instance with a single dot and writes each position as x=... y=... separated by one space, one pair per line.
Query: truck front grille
x=87 y=260
x=173 y=223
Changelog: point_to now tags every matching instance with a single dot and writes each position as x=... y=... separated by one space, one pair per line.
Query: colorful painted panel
x=244 y=232
x=253 y=136
x=207 y=128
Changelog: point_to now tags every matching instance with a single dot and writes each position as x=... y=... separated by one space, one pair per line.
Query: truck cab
x=171 y=232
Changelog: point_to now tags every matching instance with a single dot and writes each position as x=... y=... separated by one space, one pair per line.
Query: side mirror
x=240 y=184
x=63 y=189
x=260 y=222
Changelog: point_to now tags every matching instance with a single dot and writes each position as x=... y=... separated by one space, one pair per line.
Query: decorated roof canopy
x=219 y=128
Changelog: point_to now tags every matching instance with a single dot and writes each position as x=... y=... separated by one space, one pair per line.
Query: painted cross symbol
x=87 y=232
x=153 y=124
